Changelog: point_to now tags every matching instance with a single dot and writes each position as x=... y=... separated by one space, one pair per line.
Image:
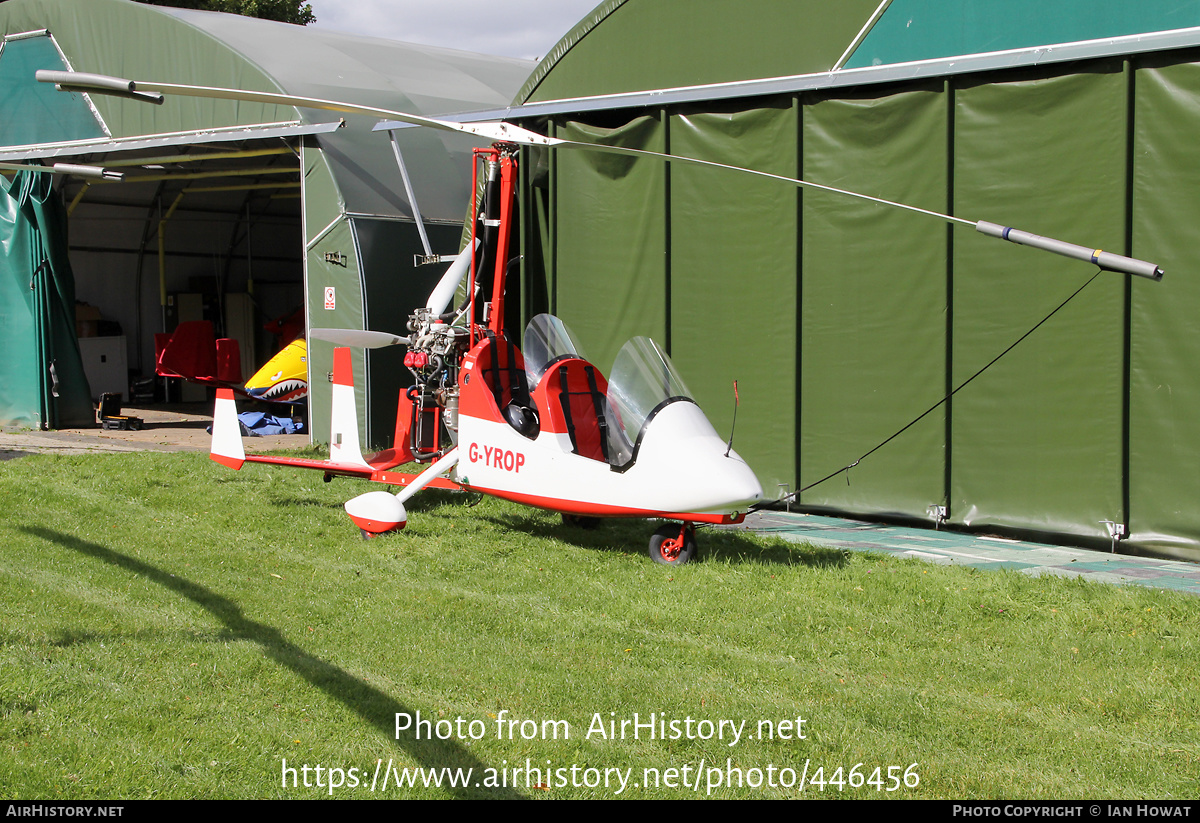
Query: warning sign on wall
x=330 y=299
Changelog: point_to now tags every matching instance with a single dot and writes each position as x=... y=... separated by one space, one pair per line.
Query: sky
x=508 y=28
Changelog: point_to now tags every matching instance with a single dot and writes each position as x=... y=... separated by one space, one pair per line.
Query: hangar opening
x=241 y=214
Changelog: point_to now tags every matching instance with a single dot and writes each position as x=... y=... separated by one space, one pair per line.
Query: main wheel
x=673 y=544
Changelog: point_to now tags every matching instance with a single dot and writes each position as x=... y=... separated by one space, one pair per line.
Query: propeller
x=359 y=338
x=507 y=132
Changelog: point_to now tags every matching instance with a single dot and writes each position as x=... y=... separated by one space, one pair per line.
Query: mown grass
x=173 y=629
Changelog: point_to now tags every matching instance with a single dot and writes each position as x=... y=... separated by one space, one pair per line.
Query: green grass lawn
x=173 y=629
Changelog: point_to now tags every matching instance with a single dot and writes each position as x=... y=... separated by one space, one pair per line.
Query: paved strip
x=956 y=548
x=165 y=428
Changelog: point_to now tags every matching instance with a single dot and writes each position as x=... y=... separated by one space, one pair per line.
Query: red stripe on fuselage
x=603 y=510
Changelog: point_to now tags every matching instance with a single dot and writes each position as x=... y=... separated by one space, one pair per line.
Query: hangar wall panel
x=923 y=29
x=611 y=249
x=1036 y=442
x=1164 y=437
x=873 y=325
x=112 y=38
x=42 y=372
x=21 y=400
x=387 y=247
x=332 y=262
x=35 y=109
x=733 y=277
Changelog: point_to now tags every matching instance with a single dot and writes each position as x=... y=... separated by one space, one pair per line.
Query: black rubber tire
x=671 y=530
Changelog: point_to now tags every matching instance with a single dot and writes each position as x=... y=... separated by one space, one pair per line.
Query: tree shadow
x=372 y=705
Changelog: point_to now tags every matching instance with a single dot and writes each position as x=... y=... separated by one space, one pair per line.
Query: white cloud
x=514 y=28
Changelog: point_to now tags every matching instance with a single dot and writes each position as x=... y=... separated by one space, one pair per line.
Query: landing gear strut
x=673 y=544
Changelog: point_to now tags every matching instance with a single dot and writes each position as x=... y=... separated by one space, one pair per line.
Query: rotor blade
x=84 y=82
x=507 y=132
x=103 y=84
x=91 y=172
x=1104 y=259
x=358 y=337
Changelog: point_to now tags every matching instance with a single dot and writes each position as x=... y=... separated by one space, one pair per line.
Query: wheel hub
x=671 y=547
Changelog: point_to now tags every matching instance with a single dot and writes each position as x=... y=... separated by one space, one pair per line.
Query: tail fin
x=226 y=433
x=343 y=432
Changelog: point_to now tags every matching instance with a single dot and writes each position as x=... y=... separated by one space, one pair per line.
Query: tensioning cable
x=792 y=496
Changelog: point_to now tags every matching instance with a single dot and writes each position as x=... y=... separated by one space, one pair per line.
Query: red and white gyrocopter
x=535 y=423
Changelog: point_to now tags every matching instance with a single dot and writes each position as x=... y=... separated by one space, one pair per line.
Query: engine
x=433 y=357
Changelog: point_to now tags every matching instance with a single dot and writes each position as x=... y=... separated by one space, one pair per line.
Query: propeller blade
x=358 y=337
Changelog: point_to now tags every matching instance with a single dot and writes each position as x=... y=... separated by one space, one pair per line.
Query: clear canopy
x=547 y=339
x=643 y=380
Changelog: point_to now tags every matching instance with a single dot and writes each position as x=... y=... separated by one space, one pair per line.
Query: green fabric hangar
x=843 y=320
x=231 y=211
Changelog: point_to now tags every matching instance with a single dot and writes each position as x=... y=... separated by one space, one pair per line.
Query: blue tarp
x=259 y=424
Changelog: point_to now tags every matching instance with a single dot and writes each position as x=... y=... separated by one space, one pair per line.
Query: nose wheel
x=673 y=544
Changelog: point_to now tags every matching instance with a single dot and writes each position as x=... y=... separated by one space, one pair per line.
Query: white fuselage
x=681 y=468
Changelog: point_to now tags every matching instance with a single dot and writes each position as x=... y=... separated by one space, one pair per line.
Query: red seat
x=572 y=398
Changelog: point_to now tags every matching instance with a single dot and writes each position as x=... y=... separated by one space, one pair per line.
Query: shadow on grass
x=617 y=535
x=430 y=499
x=298 y=502
x=369 y=703
x=723 y=545
x=427 y=500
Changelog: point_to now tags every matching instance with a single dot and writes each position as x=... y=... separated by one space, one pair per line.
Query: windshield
x=643 y=380
x=547 y=339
